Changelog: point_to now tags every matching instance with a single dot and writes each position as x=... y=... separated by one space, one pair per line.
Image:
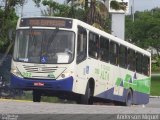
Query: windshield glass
x=44 y=46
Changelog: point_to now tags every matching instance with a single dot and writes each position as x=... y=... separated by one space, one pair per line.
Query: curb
x=4 y=100
x=154 y=96
x=155 y=74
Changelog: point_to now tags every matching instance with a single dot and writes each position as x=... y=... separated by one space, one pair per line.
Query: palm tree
x=95 y=11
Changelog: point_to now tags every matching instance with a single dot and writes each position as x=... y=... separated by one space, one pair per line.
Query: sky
x=29 y=8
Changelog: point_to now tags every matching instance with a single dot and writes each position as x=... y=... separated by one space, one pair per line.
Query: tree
x=95 y=11
x=56 y=9
x=62 y=10
x=8 y=20
x=154 y=38
x=144 y=31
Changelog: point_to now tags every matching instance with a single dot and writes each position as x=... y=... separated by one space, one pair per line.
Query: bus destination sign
x=46 y=22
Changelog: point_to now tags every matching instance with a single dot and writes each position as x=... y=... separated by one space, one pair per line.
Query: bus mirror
x=11 y=34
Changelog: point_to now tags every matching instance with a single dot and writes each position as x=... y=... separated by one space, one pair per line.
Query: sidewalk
x=155 y=74
x=154 y=96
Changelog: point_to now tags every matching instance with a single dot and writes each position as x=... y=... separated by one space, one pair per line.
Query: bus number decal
x=51 y=75
x=27 y=74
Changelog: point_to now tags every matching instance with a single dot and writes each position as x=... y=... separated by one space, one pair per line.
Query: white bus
x=64 y=57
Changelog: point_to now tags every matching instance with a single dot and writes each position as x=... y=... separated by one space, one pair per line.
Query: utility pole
x=132 y=9
x=22 y=11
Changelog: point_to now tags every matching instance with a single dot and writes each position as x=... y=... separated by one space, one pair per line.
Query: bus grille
x=39 y=69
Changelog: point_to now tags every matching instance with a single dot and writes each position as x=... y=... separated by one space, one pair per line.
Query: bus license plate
x=38 y=84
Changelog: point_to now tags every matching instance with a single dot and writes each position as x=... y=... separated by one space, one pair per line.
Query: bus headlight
x=66 y=74
x=16 y=72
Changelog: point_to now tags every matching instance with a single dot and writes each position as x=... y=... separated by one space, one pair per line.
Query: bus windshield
x=44 y=46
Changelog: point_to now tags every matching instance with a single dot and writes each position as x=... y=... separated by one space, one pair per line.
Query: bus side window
x=123 y=56
x=81 y=45
x=131 y=60
x=139 y=62
x=93 y=45
x=104 y=49
x=114 y=53
x=146 y=65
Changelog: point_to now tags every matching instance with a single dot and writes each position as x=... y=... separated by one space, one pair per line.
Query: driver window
x=81 y=45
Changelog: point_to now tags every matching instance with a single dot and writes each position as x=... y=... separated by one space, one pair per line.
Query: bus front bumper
x=42 y=84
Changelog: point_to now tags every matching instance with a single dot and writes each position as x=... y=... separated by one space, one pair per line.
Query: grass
x=51 y=99
x=155 y=85
x=28 y=96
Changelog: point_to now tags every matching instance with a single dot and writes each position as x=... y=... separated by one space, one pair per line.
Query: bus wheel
x=36 y=96
x=87 y=97
x=129 y=98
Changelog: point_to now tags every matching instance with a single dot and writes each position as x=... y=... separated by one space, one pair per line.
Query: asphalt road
x=29 y=107
x=72 y=111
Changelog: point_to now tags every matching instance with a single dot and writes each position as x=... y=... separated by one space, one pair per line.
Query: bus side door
x=81 y=56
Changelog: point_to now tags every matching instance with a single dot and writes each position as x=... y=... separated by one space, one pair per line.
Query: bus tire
x=87 y=97
x=36 y=96
x=129 y=98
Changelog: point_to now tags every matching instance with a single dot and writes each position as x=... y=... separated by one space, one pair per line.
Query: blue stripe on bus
x=138 y=98
x=28 y=84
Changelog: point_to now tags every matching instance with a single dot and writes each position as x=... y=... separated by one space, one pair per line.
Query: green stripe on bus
x=139 y=85
x=118 y=82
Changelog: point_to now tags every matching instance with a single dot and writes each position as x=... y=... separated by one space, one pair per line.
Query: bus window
x=123 y=56
x=131 y=60
x=139 y=62
x=114 y=53
x=81 y=44
x=93 y=45
x=146 y=65
x=104 y=49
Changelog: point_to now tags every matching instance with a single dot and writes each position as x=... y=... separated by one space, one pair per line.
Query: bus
x=70 y=59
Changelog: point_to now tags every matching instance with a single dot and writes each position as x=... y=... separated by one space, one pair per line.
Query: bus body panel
x=81 y=78
x=106 y=76
x=45 y=84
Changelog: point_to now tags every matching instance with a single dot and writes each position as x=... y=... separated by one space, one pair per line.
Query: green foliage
x=156 y=64
x=145 y=30
x=155 y=68
x=61 y=10
x=95 y=11
x=8 y=19
x=7 y=23
x=28 y=96
x=155 y=83
x=117 y=6
x=50 y=99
